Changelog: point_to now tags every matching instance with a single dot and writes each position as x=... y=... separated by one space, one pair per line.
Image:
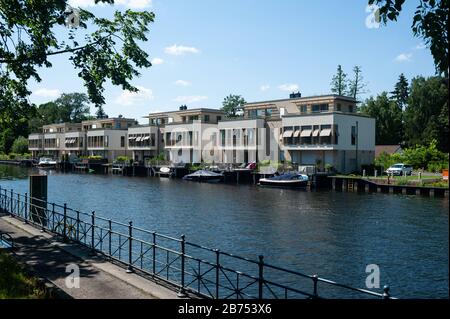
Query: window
x=339 y=107
x=222 y=137
x=118 y=125
x=206 y=118
x=183 y=119
x=219 y=118
x=269 y=112
x=350 y=108
x=304 y=108
x=106 y=140
x=316 y=108
x=353 y=135
x=122 y=141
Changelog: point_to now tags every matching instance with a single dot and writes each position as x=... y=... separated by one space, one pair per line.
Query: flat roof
x=206 y=110
x=328 y=113
x=299 y=99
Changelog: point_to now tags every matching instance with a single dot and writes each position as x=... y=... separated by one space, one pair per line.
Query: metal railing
x=188 y=267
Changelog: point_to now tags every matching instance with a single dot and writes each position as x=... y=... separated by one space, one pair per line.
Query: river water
x=335 y=235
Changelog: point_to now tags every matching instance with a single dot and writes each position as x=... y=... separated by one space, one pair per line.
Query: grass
x=15 y=283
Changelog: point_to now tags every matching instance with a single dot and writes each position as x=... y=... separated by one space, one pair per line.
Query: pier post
x=38 y=198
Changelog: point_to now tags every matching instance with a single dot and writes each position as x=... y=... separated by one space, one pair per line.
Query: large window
x=354 y=135
x=122 y=141
x=317 y=108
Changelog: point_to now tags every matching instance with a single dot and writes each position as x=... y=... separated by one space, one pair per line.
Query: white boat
x=46 y=162
x=204 y=176
x=165 y=172
x=289 y=180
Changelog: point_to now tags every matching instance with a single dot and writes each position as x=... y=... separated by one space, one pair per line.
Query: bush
x=123 y=159
x=20 y=145
x=420 y=157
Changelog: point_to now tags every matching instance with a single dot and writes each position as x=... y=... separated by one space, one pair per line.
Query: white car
x=400 y=169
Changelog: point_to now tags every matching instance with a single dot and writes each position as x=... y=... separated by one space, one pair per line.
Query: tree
x=426 y=115
x=27 y=30
x=401 y=92
x=101 y=113
x=20 y=145
x=339 y=82
x=357 y=85
x=387 y=117
x=430 y=22
x=73 y=107
x=233 y=105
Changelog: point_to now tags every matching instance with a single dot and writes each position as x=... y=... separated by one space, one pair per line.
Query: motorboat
x=204 y=176
x=246 y=167
x=46 y=162
x=288 y=180
x=165 y=172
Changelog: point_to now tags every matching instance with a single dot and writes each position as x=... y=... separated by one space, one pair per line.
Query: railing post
x=386 y=294
x=78 y=227
x=64 y=222
x=154 y=253
x=110 y=237
x=26 y=209
x=18 y=205
x=93 y=231
x=217 y=272
x=182 y=293
x=12 y=204
x=315 y=280
x=261 y=277
x=53 y=218
x=130 y=248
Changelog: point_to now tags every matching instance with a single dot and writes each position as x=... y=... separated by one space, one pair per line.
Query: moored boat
x=46 y=162
x=165 y=172
x=289 y=180
x=204 y=176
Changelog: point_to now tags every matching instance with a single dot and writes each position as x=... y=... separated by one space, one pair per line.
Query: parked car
x=400 y=169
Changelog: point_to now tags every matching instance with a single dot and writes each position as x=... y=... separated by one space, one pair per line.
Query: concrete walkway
x=99 y=279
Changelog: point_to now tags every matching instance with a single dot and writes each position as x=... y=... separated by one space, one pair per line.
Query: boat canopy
x=204 y=173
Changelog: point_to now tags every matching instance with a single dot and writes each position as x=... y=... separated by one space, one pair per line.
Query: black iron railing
x=188 y=267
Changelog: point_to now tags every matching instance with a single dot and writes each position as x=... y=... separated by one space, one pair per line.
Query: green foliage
x=339 y=83
x=420 y=157
x=15 y=283
x=123 y=159
x=388 y=119
x=430 y=22
x=426 y=116
x=233 y=106
x=20 y=145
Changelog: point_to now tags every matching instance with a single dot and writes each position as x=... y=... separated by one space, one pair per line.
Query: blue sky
x=260 y=49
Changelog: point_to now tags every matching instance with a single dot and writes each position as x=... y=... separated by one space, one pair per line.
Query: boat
x=246 y=167
x=46 y=162
x=204 y=176
x=165 y=172
x=288 y=180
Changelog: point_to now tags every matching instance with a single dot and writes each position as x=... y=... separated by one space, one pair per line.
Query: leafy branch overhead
x=430 y=22
x=28 y=40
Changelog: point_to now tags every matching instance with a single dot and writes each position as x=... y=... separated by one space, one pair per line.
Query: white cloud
x=190 y=99
x=420 y=46
x=49 y=93
x=128 y=98
x=289 y=87
x=404 y=57
x=157 y=61
x=182 y=83
x=180 y=50
x=132 y=4
x=264 y=87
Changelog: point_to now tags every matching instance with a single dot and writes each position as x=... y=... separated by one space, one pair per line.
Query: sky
x=204 y=50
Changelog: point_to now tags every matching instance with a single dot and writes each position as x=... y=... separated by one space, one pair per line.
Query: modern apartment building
x=102 y=137
x=324 y=131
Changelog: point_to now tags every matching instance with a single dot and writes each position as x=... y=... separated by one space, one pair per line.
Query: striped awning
x=306 y=133
x=288 y=133
x=132 y=138
x=325 y=133
x=138 y=139
x=316 y=133
x=145 y=138
x=297 y=133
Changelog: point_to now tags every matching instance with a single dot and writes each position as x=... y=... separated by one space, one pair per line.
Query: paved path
x=99 y=279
